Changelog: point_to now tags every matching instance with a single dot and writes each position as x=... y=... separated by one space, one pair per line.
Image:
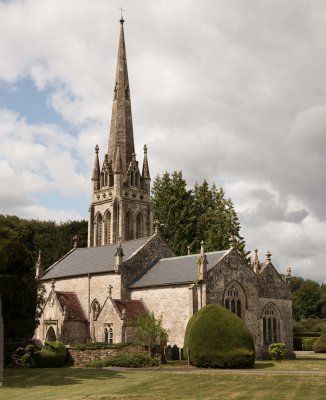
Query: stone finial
x=232 y=242
x=157 y=226
x=268 y=257
x=52 y=284
x=202 y=250
x=110 y=287
x=38 y=266
x=123 y=312
x=96 y=149
x=188 y=252
x=75 y=239
x=287 y=277
x=255 y=264
x=118 y=256
x=145 y=148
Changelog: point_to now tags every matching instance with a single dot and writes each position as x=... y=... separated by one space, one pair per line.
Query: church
x=94 y=293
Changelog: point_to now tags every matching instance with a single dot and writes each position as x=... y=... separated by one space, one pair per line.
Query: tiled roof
x=84 y=260
x=73 y=307
x=133 y=308
x=176 y=270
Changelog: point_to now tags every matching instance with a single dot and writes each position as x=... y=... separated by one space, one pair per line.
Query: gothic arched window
x=271 y=325
x=128 y=226
x=99 y=230
x=108 y=227
x=232 y=300
x=108 y=335
x=139 y=226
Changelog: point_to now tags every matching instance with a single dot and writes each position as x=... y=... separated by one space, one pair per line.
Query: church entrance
x=50 y=335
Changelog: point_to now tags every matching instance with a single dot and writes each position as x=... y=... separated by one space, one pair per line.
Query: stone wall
x=81 y=356
x=154 y=249
x=172 y=304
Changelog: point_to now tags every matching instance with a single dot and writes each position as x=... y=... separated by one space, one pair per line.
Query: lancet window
x=108 y=227
x=271 y=325
x=139 y=226
x=232 y=301
x=99 y=229
x=128 y=226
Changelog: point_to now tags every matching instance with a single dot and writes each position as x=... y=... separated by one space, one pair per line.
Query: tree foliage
x=18 y=286
x=20 y=241
x=149 y=331
x=308 y=299
x=188 y=216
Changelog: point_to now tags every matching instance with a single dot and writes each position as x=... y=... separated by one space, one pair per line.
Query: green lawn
x=94 y=384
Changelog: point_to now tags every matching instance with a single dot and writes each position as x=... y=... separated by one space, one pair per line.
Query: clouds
x=230 y=91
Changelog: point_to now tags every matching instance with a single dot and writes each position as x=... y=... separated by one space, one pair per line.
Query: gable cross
x=110 y=287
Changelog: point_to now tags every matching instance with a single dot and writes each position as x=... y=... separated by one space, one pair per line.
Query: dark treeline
x=20 y=241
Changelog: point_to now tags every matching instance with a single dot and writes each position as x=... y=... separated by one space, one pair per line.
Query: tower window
x=108 y=228
x=128 y=226
x=99 y=230
x=139 y=226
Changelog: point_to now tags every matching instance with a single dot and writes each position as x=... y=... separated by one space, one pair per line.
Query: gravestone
x=1 y=346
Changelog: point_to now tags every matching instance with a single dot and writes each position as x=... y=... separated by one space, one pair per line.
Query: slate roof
x=73 y=307
x=84 y=260
x=175 y=270
x=133 y=308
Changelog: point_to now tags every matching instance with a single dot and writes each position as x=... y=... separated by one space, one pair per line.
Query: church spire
x=121 y=120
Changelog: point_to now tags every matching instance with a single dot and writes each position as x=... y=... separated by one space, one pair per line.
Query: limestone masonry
x=94 y=293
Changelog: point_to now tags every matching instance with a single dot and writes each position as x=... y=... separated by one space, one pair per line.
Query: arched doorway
x=50 y=335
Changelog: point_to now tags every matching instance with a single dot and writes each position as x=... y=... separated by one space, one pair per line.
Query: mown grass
x=102 y=384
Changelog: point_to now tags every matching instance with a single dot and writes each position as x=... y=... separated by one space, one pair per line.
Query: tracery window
x=108 y=228
x=271 y=325
x=232 y=301
x=128 y=226
x=139 y=226
x=99 y=230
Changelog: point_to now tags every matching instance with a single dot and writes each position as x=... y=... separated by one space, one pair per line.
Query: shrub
x=136 y=360
x=52 y=355
x=308 y=343
x=277 y=351
x=217 y=338
x=320 y=344
x=99 y=345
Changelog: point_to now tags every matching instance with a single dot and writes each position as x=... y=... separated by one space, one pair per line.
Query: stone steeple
x=120 y=206
x=121 y=120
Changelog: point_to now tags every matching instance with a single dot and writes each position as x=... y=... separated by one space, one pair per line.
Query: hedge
x=136 y=360
x=320 y=344
x=52 y=355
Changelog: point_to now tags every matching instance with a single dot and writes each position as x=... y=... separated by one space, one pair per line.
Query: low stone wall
x=80 y=356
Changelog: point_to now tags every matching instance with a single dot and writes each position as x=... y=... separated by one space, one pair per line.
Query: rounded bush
x=217 y=338
x=320 y=344
x=52 y=355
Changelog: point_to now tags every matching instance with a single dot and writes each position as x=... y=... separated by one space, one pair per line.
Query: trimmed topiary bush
x=277 y=351
x=52 y=355
x=320 y=344
x=217 y=338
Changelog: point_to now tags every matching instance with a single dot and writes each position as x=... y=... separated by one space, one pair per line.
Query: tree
x=18 y=286
x=149 y=331
x=307 y=298
x=188 y=216
x=173 y=208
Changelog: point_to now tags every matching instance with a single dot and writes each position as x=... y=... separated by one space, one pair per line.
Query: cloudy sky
x=232 y=91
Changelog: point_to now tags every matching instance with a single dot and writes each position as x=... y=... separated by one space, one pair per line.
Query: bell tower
x=120 y=206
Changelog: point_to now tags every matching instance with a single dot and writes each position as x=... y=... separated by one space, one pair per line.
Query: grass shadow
x=27 y=378
x=264 y=365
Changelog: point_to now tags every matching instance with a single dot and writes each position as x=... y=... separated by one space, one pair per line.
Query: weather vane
x=121 y=10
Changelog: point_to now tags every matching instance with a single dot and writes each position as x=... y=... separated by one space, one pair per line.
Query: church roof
x=133 y=308
x=69 y=300
x=91 y=260
x=176 y=270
